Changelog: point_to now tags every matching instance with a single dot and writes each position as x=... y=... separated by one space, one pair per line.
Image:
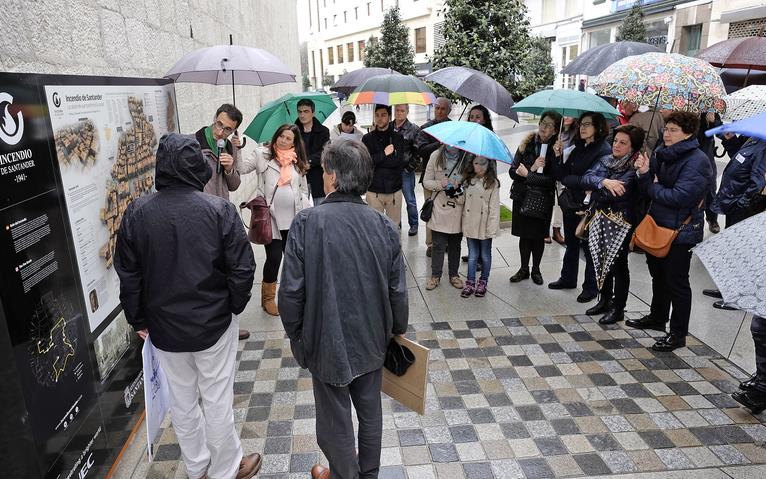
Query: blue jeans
x=408 y=190
x=478 y=248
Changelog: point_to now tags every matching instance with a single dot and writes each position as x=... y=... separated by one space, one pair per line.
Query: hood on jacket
x=180 y=162
x=676 y=151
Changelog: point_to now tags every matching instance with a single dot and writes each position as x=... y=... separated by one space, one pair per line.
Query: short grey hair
x=447 y=103
x=350 y=161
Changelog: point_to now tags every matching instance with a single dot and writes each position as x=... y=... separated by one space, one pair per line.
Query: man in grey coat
x=342 y=296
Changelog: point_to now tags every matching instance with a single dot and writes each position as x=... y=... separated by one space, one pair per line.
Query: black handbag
x=518 y=188
x=428 y=208
x=537 y=203
x=567 y=202
x=398 y=358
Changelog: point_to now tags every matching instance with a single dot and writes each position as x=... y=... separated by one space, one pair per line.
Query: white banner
x=156 y=393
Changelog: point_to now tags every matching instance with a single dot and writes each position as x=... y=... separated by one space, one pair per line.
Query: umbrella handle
x=243 y=141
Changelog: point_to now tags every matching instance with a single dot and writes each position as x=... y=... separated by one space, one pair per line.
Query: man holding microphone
x=223 y=156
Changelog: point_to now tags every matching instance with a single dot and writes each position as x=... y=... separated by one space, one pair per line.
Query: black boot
x=537 y=277
x=646 y=322
x=754 y=400
x=604 y=305
x=669 y=343
x=612 y=316
x=749 y=383
x=521 y=274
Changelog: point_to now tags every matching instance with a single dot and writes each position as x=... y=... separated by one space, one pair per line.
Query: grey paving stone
x=618 y=462
x=592 y=464
x=411 y=437
x=443 y=452
x=537 y=468
x=478 y=470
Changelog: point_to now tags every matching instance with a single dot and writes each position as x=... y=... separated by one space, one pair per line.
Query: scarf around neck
x=286 y=159
x=620 y=165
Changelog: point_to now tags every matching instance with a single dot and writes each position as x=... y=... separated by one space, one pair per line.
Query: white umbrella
x=745 y=103
x=736 y=261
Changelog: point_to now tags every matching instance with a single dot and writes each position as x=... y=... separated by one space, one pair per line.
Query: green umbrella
x=567 y=102
x=285 y=110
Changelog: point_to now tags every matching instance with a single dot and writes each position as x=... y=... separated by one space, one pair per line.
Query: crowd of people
x=647 y=166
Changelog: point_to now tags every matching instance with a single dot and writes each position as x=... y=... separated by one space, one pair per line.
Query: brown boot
x=268 y=293
x=320 y=472
x=249 y=466
x=557 y=236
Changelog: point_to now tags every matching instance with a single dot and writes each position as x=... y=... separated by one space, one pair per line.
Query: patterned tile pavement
x=532 y=397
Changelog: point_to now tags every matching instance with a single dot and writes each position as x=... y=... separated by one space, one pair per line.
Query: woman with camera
x=443 y=177
x=532 y=192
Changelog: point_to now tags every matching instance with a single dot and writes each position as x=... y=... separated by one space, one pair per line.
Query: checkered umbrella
x=606 y=234
x=745 y=103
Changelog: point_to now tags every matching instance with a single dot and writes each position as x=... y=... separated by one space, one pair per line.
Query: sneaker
x=413 y=231
x=432 y=283
x=456 y=282
x=468 y=289
x=481 y=289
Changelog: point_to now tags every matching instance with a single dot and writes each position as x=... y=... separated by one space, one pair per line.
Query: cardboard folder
x=409 y=389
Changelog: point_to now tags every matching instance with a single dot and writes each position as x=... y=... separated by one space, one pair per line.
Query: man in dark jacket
x=386 y=149
x=186 y=269
x=409 y=132
x=338 y=247
x=315 y=135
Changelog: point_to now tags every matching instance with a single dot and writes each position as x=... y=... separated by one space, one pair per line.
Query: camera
x=453 y=192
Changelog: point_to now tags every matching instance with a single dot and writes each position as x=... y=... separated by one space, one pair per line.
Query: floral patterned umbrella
x=669 y=80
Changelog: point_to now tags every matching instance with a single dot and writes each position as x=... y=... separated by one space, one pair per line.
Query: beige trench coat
x=481 y=211
x=448 y=212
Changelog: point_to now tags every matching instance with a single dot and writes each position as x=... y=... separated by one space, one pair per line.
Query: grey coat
x=343 y=292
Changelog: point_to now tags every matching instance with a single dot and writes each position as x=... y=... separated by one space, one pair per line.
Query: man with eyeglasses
x=223 y=156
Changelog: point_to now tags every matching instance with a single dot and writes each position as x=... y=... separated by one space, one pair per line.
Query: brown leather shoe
x=249 y=466
x=320 y=472
x=557 y=236
x=243 y=334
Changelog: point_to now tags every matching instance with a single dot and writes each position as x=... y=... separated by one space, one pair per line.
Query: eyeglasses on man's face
x=226 y=129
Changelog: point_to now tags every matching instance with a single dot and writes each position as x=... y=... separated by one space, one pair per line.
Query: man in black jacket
x=315 y=135
x=386 y=149
x=186 y=269
x=337 y=247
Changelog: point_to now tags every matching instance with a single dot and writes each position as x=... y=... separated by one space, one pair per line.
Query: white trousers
x=207 y=438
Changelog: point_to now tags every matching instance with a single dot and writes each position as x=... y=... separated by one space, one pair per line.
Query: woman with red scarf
x=281 y=169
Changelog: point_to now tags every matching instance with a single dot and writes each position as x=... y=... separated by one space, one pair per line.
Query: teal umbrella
x=285 y=110
x=567 y=102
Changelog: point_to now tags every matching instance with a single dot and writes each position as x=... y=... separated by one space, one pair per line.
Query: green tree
x=537 y=67
x=394 y=49
x=633 y=28
x=489 y=36
x=306 y=83
x=327 y=79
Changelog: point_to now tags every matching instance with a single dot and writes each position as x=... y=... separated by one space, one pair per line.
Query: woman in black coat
x=524 y=173
x=615 y=189
x=590 y=147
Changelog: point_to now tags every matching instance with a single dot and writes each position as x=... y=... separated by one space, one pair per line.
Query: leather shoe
x=537 y=277
x=714 y=227
x=754 y=400
x=604 y=305
x=320 y=472
x=748 y=383
x=720 y=304
x=547 y=240
x=520 y=275
x=249 y=466
x=560 y=284
x=646 y=322
x=669 y=343
x=428 y=251
x=557 y=236
x=243 y=334
x=713 y=293
x=586 y=297
x=612 y=317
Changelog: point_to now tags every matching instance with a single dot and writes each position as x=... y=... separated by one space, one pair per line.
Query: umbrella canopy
x=472 y=138
x=668 y=80
x=753 y=126
x=736 y=263
x=747 y=52
x=744 y=103
x=594 y=61
x=349 y=81
x=567 y=102
x=476 y=86
x=606 y=235
x=224 y=64
x=285 y=110
x=392 y=90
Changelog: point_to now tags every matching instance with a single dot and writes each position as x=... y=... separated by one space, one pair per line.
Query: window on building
x=368 y=8
x=356 y=13
x=692 y=37
x=571 y=8
x=381 y=5
x=324 y=3
x=314 y=65
x=599 y=37
x=350 y=51
x=330 y=56
x=360 y=44
x=340 y=53
x=325 y=23
x=334 y=20
x=345 y=20
x=549 y=11
x=420 y=40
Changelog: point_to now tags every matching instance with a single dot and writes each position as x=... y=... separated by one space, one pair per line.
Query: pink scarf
x=286 y=159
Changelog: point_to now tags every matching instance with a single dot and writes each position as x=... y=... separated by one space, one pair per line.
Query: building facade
x=560 y=22
x=339 y=32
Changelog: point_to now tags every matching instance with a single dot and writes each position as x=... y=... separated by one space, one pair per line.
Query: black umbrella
x=476 y=86
x=606 y=234
x=594 y=61
x=349 y=81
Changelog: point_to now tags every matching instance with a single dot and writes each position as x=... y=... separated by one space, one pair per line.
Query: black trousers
x=571 y=264
x=274 y=251
x=758 y=330
x=670 y=287
x=617 y=282
x=449 y=243
x=533 y=247
x=335 y=431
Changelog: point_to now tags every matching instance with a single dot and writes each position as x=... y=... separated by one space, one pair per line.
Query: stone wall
x=144 y=38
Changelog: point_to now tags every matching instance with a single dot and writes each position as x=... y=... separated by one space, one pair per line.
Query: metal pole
x=233 y=93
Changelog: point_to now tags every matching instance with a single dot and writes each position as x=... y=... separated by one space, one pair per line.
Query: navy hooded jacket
x=742 y=178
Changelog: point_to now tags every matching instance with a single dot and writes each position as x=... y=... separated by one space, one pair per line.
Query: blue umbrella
x=471 y=137
x=754 y=127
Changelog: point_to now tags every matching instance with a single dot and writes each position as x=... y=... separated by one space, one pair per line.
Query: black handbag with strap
x=537 y=203
x=567 y=202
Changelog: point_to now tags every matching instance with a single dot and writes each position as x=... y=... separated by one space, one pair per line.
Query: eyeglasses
x=546 y=124
x=671 y=130
x=586 y=124
x=226 y=129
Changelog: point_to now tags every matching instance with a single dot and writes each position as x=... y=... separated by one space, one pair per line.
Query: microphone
x=221 y=144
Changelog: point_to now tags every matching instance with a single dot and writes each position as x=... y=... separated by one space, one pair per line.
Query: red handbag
x=259 y=231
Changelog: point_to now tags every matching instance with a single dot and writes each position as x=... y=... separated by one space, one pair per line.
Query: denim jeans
x=479 y=248
x=408 y=190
